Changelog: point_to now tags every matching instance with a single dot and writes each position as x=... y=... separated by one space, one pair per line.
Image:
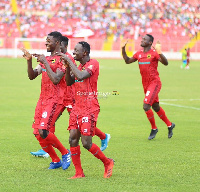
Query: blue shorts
x=184 y=62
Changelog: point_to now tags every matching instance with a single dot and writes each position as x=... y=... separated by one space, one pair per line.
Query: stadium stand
x=174 y=22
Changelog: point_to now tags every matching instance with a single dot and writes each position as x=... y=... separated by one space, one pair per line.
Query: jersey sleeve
x=135 y=56
x=92 y=67
x=157 y=56
x=70 y=56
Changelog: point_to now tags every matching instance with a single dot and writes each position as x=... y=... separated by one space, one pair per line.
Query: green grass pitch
x=160 y=165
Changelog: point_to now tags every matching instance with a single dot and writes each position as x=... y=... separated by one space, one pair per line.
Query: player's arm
x=32 y=73
x=80 y=75
x=127 y=59
x=162 y=59
x=69 y=77
x=55 y=77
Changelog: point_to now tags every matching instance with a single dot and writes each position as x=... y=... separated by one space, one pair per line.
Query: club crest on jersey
x=149 y=56
x=53 y=60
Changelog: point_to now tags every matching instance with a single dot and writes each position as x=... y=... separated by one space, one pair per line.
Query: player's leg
x=54 y=111
x=105 y=137
x=151 y=93
x=150 y=117
x=187 y=65
x=161 y=113
x=41 y=152
x=74 y=137
x=184 y=64
x=36 y=122
x=87 y=125
x=41 y=137
x=48 y=118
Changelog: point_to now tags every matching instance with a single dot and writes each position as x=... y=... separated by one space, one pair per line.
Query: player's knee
x=73 y=140
x=87 y=145
x=43 y=133
x=156 y=107
x=146 y=107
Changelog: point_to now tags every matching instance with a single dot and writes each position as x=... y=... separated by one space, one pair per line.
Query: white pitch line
x=182 y=106
x=179 y=99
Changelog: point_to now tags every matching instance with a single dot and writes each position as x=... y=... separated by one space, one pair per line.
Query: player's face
x=145 y=41
x=63 y=48
x=50 y=43
x=78 y=52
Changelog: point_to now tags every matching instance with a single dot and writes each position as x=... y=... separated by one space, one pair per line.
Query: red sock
x=75 y=155
x=48 y=148
x=162 y=115
x=99 y=133
x=95 y=150
x=151 y=118
x=53 y=140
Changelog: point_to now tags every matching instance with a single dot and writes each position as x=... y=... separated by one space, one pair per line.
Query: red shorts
x=151 y=93
x=85 y=123
x=69 y=103
x=46 y=116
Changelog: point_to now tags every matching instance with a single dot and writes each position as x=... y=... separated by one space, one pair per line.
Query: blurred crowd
x=127 y=18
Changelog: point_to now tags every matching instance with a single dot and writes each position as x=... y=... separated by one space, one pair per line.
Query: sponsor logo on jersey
x=42 y=124
x=143 y=63
x=44 y=70
x=76 y=80
x=85 y=130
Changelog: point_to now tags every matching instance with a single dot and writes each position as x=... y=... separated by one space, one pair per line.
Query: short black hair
x=85 y=46
x=151 y=37
x=65 y=40
x=57 y=35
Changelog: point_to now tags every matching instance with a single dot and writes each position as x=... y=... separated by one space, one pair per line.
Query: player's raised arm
x=162 y=59
x=127 y=59
x=32 y=73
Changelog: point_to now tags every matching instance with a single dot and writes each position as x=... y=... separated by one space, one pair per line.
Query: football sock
x=151 y=118
x=162 y=115
x=48 y=149
x=99 y=133
x=53 y=140
x=95 y=150
x=75 y=155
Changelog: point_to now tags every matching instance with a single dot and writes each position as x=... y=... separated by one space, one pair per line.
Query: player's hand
x=40 y=58
x=65 y=60
x=26 y=54
x=124 y=44
x=158 y=47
